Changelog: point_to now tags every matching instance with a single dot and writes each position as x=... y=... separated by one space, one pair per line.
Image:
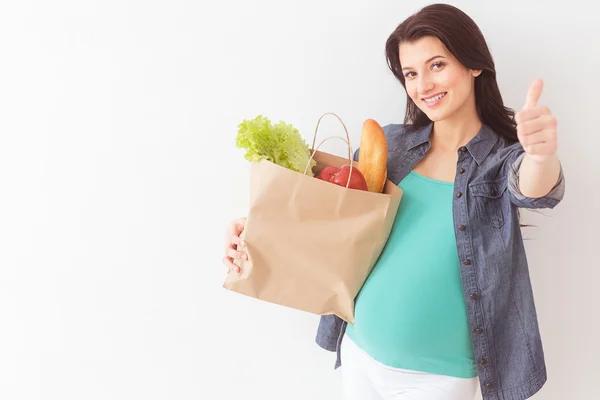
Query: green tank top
x=411 y=311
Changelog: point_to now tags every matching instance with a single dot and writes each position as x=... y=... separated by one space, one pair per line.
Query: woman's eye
x=408 y=74
x=438 y=64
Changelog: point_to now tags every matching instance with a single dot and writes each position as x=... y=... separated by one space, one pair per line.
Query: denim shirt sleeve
x=328 y=332
x=550 y=200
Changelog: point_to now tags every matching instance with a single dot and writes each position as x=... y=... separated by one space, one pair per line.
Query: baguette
x=372 y=155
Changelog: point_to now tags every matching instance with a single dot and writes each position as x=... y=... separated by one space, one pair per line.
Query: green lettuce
x=279 y=143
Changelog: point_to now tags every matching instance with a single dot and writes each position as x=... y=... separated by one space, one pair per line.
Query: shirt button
x=478 y=330
x=458 y=194
x=461 y=227
x=473 y=296
x=463 y=149
x=467 y=262
x=462 y=170
x=483 y=362
x=489 y=385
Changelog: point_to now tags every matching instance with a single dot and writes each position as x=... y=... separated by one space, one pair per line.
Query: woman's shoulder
x=506 y=149
x=401 y=136
x=393 y=130
x=397 y=128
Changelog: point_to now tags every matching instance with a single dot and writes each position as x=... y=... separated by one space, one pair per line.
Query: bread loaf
x=372 y=155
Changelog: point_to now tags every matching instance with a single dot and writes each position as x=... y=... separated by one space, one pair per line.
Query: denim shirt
x=493 y=265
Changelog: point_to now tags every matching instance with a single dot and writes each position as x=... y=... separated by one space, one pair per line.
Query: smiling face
x=435 y=80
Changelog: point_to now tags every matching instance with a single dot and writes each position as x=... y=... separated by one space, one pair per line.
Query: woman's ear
x=476 y=72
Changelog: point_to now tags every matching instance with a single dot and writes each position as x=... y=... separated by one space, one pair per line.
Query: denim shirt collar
x=479 y=147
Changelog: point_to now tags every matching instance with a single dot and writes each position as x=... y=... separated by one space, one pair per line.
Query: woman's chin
x=435 y=116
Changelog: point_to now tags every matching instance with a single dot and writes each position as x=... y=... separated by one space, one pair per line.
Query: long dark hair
x=462 y=37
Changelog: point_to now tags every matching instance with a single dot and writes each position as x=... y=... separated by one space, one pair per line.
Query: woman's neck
x=457 y=130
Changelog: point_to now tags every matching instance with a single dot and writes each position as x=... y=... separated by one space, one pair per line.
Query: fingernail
x=243 y=243
x=237 y=269
x=244 y=256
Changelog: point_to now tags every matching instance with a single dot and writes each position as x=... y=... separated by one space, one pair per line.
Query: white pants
x=363 y=378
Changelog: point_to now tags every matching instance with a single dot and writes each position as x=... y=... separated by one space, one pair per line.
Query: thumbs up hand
x=536 y=127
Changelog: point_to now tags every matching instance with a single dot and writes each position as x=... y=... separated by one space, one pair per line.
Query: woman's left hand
x=536 y=126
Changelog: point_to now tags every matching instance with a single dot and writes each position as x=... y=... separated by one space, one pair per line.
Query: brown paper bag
x=311 y=244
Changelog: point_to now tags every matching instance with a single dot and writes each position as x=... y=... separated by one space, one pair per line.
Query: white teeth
x=434 y=98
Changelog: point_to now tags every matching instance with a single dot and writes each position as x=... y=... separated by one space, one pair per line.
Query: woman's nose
x=424 y=85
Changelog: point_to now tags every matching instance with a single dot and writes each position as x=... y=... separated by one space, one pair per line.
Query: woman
x=449 y=304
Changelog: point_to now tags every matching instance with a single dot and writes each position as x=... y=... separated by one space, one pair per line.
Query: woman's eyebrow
x=427 y=61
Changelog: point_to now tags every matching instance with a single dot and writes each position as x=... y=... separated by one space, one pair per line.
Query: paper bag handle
x=346 y=130
x=346 y=140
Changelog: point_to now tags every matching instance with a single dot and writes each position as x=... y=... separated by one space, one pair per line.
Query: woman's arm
x=536 y=128
x=538 y=179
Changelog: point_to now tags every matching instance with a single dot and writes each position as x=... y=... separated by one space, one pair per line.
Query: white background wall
x=119 y=172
